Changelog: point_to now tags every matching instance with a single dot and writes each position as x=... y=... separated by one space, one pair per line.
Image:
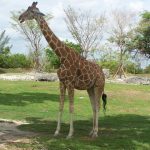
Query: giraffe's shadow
x=121 y=130
x=24 y=98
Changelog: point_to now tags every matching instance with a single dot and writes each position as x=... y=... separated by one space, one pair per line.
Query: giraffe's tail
x=104 y=98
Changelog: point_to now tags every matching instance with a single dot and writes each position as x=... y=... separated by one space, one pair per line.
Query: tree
x=52 y=57
x=121 y=29
x=18 y=61
x=141 y=41
x=32 y=35
x=74 y=46
x=4 y=49
x=4 y=40
x=85 y=28
x=147 y=69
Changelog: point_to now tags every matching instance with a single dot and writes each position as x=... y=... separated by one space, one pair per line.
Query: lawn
x=126 y=124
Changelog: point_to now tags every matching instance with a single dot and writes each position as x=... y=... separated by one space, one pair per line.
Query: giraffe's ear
x=38 y=12
x=34 y=4
x=41 y=14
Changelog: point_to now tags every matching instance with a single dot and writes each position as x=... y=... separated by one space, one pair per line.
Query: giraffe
x=75 y=72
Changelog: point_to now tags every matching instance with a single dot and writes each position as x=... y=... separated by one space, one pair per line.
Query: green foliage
x=4 y=40
x=52 y=58
x=129 y=66
x=4 y=50
x=14 y=61
x=8 y=60
x=31 y=32
x=112 y=65
x=141 y=41
x=18 y=61
x=147 y=69
x=133 y=68
x=74 y=46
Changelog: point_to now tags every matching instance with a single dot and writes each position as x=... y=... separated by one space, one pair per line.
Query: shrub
x=133 y=68
x=111 y=65
x=18 y=61
x=147 y=69
x=130 y=67
x=14 y=61
x=53 y=61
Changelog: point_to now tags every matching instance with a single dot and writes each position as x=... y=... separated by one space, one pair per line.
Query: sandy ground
x=10 y=134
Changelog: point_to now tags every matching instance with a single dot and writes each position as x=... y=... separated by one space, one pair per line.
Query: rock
x=138 y=80
x=46 y=77
x=30 y=77
x=15 y=77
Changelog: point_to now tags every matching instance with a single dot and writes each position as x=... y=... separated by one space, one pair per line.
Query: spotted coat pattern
x=75 y=72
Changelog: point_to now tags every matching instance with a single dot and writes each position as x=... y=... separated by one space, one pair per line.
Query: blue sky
x=56 y=7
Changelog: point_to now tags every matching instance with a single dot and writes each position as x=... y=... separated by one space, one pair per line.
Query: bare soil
x=9 y=134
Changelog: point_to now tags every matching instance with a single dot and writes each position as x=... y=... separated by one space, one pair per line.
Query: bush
x=14 y=61
x=52 y=58
x=18 y=61
x=147 y=69
x=133 y=68
x=130 y=67
x=53 y=61
x=111 y=65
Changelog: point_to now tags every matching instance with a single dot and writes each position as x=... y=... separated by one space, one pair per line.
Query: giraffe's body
x=75 y=72
x=74 y=69
x=82 y=74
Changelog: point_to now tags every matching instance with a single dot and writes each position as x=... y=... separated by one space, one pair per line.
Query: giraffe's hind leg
x=92 y=100
x=95 y=95
x=98 y=93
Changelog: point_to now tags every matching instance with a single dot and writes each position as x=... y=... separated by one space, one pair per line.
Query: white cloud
x=136 y=6
x=56 y=8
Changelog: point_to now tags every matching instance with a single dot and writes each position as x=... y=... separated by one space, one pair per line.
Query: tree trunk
x=120 y=69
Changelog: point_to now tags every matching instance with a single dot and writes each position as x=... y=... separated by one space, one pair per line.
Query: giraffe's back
x=88 y=74
x=82 y=74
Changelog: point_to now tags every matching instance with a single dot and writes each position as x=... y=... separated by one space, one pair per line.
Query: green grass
x=125 y=126
x=13 y=70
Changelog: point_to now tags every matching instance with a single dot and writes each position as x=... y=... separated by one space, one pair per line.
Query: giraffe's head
x=31 y=13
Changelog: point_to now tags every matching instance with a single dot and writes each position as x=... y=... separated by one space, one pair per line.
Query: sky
x=56 y=8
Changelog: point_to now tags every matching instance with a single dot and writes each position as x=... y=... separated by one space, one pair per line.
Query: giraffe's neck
x=52 y=39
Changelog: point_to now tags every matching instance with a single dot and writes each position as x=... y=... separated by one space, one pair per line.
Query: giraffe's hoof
x=56 y=134
x=91 y=132
x=68 y=137
x=94 y=135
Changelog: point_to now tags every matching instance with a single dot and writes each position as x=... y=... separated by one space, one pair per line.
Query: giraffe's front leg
x=61 y=106
x=71 y=109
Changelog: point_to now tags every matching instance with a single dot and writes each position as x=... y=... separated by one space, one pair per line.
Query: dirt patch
x=9 y=133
